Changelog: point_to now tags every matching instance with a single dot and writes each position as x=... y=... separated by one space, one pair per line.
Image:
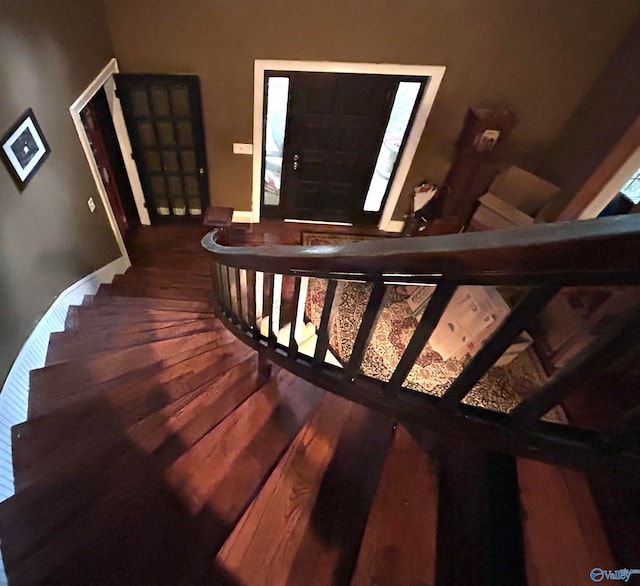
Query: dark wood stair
x=159 y=450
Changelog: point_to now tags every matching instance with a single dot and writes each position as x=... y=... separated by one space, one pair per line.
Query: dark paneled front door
x=163 y=114
x=335 y=125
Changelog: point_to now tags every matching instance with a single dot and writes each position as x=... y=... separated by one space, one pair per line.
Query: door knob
x=201 y=171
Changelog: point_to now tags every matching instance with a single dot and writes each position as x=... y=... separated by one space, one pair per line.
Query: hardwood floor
x=156 y=453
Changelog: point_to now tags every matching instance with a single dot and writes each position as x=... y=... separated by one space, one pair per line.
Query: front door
x=335 y=125
x=327 y=138
x=163 y=114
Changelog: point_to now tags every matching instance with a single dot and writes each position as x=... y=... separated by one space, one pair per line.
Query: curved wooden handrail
x=541 y=258
x=601 y=251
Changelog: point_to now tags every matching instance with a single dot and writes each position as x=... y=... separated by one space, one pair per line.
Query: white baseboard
x=240 y=217
x=14 y=397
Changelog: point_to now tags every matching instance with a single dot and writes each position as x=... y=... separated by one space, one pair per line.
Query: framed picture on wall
x=24 y=148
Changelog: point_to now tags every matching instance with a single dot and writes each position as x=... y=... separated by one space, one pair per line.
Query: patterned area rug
x=501 y=388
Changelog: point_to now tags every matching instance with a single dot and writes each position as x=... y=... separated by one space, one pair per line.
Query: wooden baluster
x=367 y=325
x=233 y=293
x=251 y=304
x=225 y=299
x=322 y=343
x=276 y=304
x=259 y=294
x=428 y=322
x=520 y=317
x=598 y=355
x=264 y=370
x=296 y=318
x=300 y=323
x=268 y=306
x=244 y=298
x=238 y=292
x=220 y=285
x=215 y=282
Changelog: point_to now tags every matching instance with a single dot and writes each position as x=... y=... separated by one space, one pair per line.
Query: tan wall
x=607 y=111
x=48 y=238
x=538 y=58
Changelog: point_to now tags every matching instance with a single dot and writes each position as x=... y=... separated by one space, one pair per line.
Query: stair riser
x=71 y=345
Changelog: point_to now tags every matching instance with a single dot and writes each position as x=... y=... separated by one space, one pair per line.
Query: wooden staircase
x=160 y=450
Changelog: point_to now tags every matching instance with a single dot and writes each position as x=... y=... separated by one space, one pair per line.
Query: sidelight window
x=276 y=120
x=394 y=136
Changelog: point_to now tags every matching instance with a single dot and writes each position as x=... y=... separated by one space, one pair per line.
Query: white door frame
x=105 y=80
x=435 y=72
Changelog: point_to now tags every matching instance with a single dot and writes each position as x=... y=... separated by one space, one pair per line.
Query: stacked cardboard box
x=513 y=199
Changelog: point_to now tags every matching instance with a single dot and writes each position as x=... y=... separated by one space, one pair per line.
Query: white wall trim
x=395 y=226
x=317 y=222
x=105 y=79
x=434 y=72
x=242 y=217
x=15 y=390
x=126 y=149
x=613 y=186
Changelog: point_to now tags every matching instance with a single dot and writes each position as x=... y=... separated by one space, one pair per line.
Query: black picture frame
x=24 y=149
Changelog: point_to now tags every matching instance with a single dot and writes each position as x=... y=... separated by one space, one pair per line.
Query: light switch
x=240 y=148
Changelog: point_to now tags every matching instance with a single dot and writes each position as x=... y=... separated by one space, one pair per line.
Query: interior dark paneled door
x=335 y=125
x=163 y=114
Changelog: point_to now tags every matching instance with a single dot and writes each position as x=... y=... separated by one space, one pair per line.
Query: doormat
x=321 y=238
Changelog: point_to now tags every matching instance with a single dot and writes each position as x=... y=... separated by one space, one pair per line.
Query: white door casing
x=435 y=73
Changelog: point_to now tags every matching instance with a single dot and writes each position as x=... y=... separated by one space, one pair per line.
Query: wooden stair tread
x=175 y=257
x=399 y=543
x=88 y=317
x=478 y=518
x=72 y=345
x=169 y=271
x=54 y=385
x=280 y=408
x=224 y=472
x=156 y=292
x=140 y=447
x=127 y=502
x=138 y=279
x=106 y=296
x=316 y=500
x=149 y=427
x=60 y=439
x=72 y=536
x=157 y=452
x=563 y=535
x=178 y=365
